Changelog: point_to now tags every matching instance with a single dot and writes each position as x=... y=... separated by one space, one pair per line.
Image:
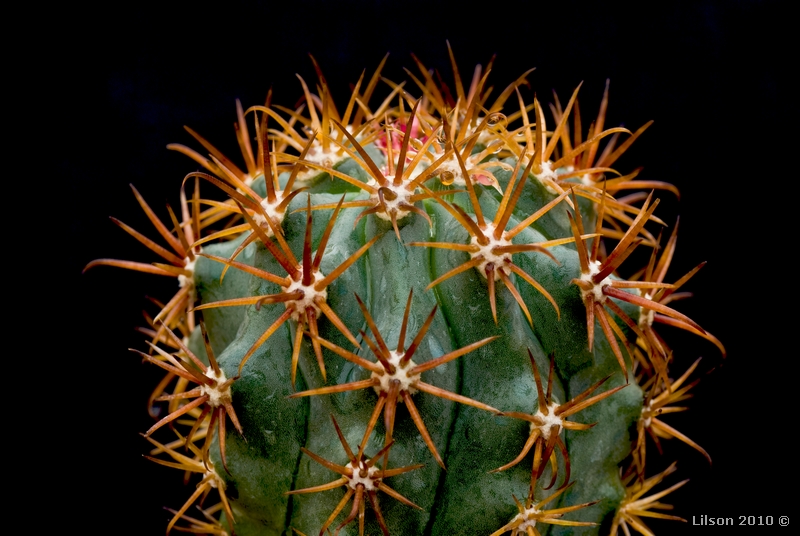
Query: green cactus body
x=471 y=441
x=436 y=450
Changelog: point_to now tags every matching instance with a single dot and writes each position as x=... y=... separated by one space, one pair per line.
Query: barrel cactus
x=414 y=316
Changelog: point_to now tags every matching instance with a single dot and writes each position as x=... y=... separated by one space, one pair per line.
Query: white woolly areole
x=647 y=414
x=310 y=296
x=452 y=166
x=212 y=478
x=499 y=260
x=403 y=197
x=549 y=420
x=528 y=519
x=319 y=155
x=184 y=280
x=216 y=396
x=400 y=374
x=369 y=482
x=597 y=288
x=272 y=212
x=646 y=316
x=547 y=173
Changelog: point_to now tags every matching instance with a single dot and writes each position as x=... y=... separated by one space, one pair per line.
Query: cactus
x=418 y=317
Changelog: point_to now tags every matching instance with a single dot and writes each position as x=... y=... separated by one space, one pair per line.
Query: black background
x=125 y=81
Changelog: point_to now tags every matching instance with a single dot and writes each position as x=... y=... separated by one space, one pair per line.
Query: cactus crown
x=404 y=297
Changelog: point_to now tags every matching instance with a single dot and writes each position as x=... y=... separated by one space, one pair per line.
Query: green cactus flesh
x=471 y=441
x=438 y=448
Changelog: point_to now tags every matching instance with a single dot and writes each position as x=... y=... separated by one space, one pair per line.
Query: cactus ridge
x=356 y=260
